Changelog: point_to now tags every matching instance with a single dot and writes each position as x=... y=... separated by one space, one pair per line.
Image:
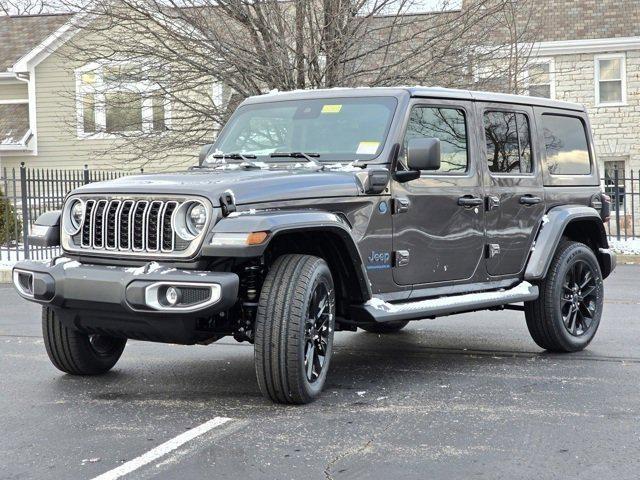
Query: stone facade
x=571 y=36
x=616 y=128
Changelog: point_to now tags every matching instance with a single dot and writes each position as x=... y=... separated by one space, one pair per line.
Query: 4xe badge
x=378 y=260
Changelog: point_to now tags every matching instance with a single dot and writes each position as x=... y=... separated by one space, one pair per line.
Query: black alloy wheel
x=317 y=332
x=579 y=298
x=566 y=315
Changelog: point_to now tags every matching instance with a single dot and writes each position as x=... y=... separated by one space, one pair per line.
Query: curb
x=5 y=275
x=628 y=259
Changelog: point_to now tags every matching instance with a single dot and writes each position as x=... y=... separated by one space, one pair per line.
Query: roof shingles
x=19 y=35
x=14 y=123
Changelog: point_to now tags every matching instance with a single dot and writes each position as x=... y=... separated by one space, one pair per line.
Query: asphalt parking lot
x=469 y=396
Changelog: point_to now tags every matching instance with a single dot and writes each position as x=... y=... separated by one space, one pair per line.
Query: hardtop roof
x=417 y=91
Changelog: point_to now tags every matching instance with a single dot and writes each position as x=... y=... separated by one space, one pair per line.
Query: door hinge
x=401 y=205
x=401 y=258
x=493 y=249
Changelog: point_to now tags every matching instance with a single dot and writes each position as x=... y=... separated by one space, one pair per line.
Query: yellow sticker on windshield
x=331 y=108
x=367 y=148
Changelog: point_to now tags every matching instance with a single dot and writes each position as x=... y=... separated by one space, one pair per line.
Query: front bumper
x=124 y=301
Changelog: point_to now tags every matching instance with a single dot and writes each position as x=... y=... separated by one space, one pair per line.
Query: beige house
x=55 y=113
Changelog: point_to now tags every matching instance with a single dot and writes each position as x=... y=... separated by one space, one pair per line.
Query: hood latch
x=227 y=203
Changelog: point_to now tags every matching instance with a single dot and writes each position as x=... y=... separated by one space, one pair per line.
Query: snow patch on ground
x=626 y=247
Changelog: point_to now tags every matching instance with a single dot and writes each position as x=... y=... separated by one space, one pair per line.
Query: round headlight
x=189 y=220
x=74 y=217
x=77 y=214
x=196 y=218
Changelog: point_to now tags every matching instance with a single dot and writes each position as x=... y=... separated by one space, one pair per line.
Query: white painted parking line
x=162 y=450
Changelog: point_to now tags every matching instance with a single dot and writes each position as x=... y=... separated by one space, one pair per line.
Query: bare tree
x=22 y=7
x=179 y=50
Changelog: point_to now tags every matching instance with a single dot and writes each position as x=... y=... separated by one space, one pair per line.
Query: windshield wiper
x=246 y=158
x=309 y=157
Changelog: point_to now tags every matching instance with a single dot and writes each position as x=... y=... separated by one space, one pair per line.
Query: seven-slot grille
x=129 y=226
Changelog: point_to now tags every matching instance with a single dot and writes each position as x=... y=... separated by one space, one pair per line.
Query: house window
x=540 y=79
x=611 y=169
x=123 y=112
x=508 y=142
x=491 y=78
x=611 y=83
x=114 y=98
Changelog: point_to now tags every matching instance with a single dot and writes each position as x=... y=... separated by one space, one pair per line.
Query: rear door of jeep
x=514 y=194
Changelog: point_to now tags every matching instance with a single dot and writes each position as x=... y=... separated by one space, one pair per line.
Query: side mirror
x=423 y=154
x=204 y=153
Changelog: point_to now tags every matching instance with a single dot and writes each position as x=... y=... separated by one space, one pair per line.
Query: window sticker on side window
x=331 y=108
x=367 y=148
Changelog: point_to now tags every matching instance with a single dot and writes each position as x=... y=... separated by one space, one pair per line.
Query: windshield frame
x=385 y=142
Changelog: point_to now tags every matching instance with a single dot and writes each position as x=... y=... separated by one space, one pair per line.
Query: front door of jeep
x=438 y=226
x=513 y=186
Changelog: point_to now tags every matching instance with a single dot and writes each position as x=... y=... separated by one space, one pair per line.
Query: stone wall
x=616 y=129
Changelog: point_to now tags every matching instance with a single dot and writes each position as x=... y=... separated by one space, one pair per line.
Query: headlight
x=74 y=217
x=190 y=219
x=77 y=213
x=196 y=218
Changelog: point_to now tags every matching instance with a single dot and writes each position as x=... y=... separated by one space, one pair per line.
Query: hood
x=248 y=186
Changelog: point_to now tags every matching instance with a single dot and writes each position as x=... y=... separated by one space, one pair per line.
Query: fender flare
x=278 y=222
x=552 y=227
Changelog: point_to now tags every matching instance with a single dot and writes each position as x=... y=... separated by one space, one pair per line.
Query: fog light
x=172 y=296
x=23 y=281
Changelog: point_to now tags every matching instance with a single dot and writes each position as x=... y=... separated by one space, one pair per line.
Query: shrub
x=10 y=225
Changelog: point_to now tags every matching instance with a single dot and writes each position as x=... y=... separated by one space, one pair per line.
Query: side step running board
x=377 y=310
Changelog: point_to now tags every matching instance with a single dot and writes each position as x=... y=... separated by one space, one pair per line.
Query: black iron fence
x=624 y=190
x=25 y=193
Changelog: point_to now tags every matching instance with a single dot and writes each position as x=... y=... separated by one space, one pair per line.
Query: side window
x=446 y=124
x=565 y=141
x=508 y=142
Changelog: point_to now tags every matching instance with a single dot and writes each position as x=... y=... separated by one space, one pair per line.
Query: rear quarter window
x=566 y=145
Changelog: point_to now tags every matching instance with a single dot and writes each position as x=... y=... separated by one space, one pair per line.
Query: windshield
x=334 y=129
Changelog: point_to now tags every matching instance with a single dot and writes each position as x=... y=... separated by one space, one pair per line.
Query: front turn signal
x=238 y=239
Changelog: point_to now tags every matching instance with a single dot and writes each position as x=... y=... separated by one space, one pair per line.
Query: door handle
x=469 y=201
x=530 y=200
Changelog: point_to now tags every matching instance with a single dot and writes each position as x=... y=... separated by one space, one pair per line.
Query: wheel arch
x=574 y=222
x=323 y=234
x=337 y=248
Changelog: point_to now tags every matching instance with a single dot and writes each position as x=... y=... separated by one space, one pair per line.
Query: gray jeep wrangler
x=334 y=210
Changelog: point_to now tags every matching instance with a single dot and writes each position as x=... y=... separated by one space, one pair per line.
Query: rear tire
x=77 y=353
x=566 y=315
x=386 y=327
x=294 y=329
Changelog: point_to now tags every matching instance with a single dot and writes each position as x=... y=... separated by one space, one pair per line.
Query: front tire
x=77 y=353
x=566 y=315
x=294 y=329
